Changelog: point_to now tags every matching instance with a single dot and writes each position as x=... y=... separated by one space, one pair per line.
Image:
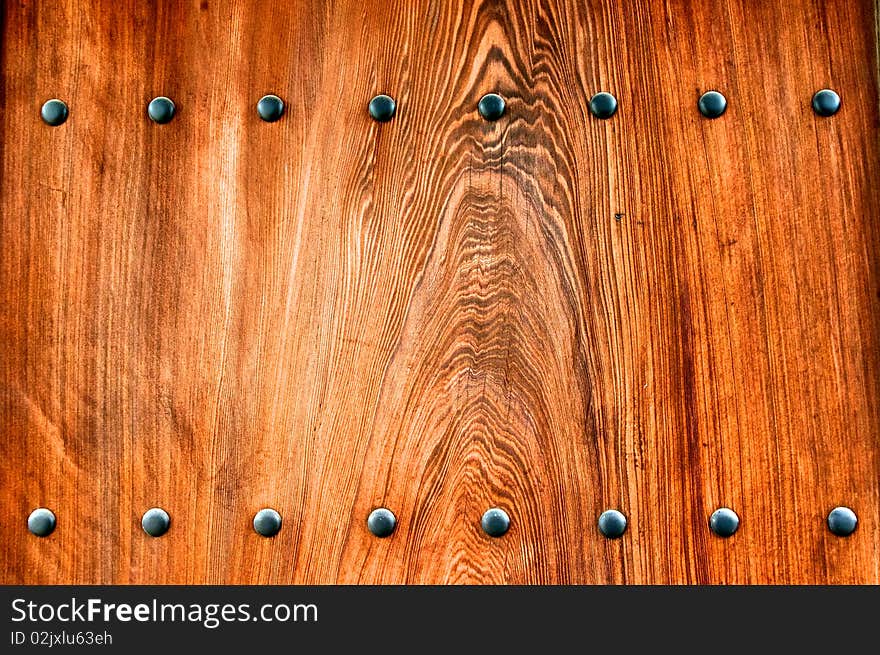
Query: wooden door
x=549 y=313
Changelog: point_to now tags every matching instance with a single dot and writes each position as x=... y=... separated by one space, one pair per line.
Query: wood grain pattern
x=550 y=313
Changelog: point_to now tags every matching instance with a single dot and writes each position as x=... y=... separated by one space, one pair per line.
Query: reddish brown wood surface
x=553 y=314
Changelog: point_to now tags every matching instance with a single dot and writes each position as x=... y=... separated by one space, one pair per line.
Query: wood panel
x=550 y=313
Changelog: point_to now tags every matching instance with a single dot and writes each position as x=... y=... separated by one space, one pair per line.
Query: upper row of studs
x=495 y=522
x=382 y=108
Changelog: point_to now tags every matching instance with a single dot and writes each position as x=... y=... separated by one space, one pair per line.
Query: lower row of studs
x=495 y=522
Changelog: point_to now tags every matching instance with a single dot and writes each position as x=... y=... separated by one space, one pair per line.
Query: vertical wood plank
x=549 y=313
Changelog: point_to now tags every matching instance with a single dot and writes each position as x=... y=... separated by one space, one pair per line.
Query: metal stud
x=712 y=104
x=41 y=522
x=826 y=102
x=491 y=106
x=724 y=522
x=603 y=105
x=842 y=521
x=612 y=524
x=54 y=112
x=155 y=522
x=382 y=108
x=267 y=522
x=381 y=522
x=495 y=522
x=161 y=110
x=270 y=108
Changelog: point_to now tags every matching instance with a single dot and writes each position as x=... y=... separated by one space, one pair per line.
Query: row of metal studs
x=382 y=108
x=495 y=522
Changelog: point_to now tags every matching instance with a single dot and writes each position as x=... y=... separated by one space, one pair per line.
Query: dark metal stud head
x=495 y=522
x=603 y=105
x=155 y=522
x=724 y=522
x=54 y=112
x=270 y=108
x=161 y=110
x=267 y=522
x=612 y=523
x=842 y=521
x=712 y=104
x=41 y=522
x=382 y=108
x=491 y=106
x=381 y=522
x=826 y=102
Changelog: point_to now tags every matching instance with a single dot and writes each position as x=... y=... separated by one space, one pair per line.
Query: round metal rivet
x=612 y=523
x=842 y=521
x=826 y=102
x=603 y=105
x=155 y=522
x=712 y=104
x=495 y=522
x=381 y=522
x=267 y=522
x=54 y=112
x=724 y=522
x=270 y=108
x=491 y=106
x=41 y=522
x=382 y=108
x=161 y=110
